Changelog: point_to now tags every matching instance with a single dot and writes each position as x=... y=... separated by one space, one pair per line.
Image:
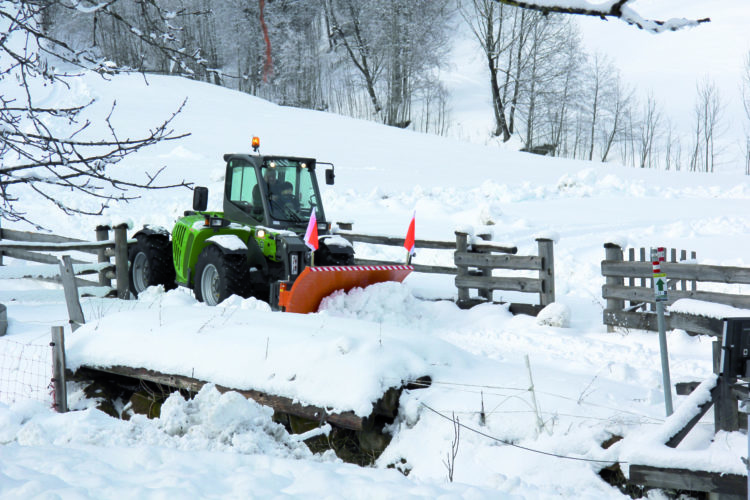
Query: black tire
x=219 y=276
x=150 y=263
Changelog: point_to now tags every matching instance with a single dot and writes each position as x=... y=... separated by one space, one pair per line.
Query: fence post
x=485 y=293
x=121 y=261
x=102 y=234
x=3 y=320
x=58 y=369
x=726 y=413
x=68 y=278
x=547 y=272
x=462 y=246
x=613 y=252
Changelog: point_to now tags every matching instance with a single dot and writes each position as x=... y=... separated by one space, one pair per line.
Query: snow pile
x=708 y=309
x=320 y=360
x=555 y=314
x=211 y=421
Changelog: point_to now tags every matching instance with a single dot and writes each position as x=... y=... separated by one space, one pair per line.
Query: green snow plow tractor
x=255 y=247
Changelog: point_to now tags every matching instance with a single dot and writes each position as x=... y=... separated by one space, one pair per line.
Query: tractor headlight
x=260 y=233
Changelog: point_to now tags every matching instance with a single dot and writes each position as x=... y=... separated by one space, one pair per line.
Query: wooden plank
x=42 y=258
x=641 y=294
x=79 y=282
x=675 y=440
x=697 y=272
x=528 y=285
x=88 y=246
x=527 y=309
x=696 y=325
x=514 y=308
x=347 y=420
x=418 y=268
x=75 y=313
x=515 y=262
x=395 y=241
x=12 y=234
x=683 y=479
x=494 y=247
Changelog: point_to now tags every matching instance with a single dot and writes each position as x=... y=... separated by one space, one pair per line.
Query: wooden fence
x=31 y=247
x=474 y=263
x=628 y=290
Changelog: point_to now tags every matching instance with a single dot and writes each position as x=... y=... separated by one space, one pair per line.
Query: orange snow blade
x=315 y=283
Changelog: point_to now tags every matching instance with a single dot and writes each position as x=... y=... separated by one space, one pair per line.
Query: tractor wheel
x=151 y=263
x=219 y=275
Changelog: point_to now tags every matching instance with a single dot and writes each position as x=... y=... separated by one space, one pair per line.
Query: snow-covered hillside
x=589 y=385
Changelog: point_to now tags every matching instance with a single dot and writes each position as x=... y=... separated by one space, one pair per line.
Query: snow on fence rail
x=629 y=281
x=29 y=246
x=474 y=263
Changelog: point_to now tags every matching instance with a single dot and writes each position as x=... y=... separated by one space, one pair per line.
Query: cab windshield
x=287 y=183
x=290 y=189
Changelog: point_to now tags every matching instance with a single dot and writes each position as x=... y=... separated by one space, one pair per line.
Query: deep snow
x=588 y=384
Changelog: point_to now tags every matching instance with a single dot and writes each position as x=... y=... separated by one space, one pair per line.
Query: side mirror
x=200 y=198
x=329 y=176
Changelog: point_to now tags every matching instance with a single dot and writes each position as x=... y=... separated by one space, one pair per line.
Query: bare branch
x=617 y=9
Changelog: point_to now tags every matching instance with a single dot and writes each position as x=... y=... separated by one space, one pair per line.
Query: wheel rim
x=141 y=271
x=210 y=285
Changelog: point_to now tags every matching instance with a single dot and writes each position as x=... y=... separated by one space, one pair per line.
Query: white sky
x=671 y=64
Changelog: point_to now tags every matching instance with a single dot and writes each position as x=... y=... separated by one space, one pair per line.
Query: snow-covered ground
x=589 y=385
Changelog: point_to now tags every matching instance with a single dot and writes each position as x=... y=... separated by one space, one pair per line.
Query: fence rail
x=29 y=246
x=474 y=262
x=630 y=281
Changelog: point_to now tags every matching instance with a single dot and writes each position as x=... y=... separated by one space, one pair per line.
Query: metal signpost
x=658 y=255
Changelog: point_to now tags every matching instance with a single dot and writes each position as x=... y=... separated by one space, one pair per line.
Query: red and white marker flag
x=409 y=241
x=311 y=235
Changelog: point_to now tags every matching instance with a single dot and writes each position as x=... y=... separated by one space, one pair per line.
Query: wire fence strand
x=25 y=372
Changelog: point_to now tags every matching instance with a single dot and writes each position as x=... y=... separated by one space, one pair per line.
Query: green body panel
x=190 y=235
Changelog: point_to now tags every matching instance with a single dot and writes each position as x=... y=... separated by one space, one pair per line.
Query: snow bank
x=317 y=360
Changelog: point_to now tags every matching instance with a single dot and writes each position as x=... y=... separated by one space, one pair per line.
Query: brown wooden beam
x=346 y=420
x=683 y=479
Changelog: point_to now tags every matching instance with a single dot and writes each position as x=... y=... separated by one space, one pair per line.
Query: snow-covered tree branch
x=46 y=148
x=611 y=8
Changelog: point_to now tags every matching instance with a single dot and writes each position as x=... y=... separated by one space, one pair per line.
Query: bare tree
x=601 y=78
x=614 y=8
x=672 y=148
x=46 y=149
x=613 y=126
x=708 y=110
x=488 y=21
x=648 y=132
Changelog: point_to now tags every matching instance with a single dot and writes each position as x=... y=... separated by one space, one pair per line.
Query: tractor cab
x=272 y=191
